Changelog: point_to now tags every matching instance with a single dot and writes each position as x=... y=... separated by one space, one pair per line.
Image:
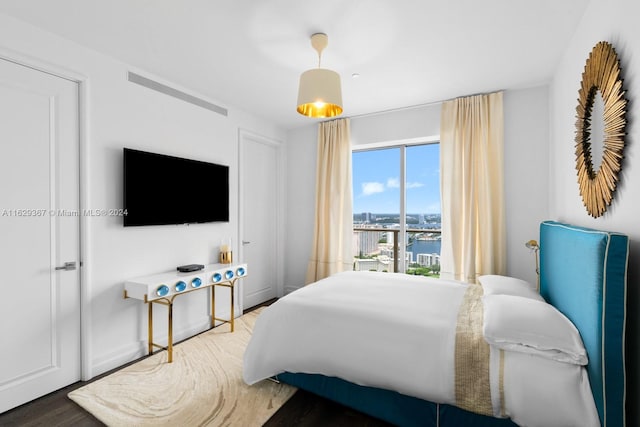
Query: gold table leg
x=150 y=327
x=213 y=306
x=232 y=313
x=170 y=345
x=231 y=320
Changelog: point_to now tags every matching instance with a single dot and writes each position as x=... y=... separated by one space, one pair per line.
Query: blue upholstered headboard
x=583 y=273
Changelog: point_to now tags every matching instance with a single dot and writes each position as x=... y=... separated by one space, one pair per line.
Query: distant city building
x=365 y=242
x=428 y=260
x=387 y=251
x=377 y=264
x=368 y=217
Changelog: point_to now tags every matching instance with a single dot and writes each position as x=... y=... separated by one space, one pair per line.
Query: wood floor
x=303 y=409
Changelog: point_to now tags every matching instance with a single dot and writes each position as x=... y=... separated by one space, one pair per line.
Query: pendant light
x=319 y=93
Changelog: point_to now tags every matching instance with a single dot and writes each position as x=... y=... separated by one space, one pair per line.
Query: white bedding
x=397 y=332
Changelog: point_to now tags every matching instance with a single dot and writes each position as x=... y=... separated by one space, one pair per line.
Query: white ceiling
x=249 y=54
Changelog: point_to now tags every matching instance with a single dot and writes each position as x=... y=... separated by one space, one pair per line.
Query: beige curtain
x=472 y=188
x=333 y=229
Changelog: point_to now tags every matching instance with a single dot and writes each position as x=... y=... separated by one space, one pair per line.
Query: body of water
x=424 y=247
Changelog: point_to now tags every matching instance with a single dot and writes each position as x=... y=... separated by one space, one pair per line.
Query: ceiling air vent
x=159 y=87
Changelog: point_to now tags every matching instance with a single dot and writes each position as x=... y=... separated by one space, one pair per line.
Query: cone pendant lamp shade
x=320 y=91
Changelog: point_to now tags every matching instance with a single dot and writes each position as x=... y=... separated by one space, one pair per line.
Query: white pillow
x=528 y=326
x=504 y=285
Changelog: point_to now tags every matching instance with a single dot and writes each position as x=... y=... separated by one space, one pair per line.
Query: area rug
x=203 y=386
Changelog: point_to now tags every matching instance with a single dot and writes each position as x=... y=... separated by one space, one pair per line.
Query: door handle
x=68 y=266
x=245 y=242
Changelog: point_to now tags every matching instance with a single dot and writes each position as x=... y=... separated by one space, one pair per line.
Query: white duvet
x=397 y=332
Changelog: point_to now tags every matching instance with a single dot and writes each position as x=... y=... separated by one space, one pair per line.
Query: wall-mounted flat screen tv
x=161 y=190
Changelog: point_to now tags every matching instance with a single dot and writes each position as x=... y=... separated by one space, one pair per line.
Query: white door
x=39 y=232
x=259 y=196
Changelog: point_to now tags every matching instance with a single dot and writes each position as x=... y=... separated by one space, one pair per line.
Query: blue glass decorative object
x=162 y=290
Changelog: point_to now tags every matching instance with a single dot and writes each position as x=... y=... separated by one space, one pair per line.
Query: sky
x=376 y=184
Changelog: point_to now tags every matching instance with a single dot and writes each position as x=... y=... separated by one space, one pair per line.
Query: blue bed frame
x=583 y=272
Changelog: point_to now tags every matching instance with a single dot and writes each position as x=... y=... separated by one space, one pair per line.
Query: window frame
x=402 y=144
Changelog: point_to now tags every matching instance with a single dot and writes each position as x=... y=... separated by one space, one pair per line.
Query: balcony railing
x=396 y=233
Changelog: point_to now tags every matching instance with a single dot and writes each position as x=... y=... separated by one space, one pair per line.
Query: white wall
x=526 y=149
x=614 y=21
x=301 y=203
x=122 y=114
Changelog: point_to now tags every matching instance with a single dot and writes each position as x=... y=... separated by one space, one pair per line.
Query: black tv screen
x=161 y=190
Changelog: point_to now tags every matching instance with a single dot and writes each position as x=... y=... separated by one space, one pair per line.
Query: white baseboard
x=134 y=351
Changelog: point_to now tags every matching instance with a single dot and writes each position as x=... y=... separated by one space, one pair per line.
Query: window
x=396 y=204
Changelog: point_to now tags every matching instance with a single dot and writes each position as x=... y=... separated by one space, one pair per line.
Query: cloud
x=395 y=183
x=369 y=188
x=414 y=185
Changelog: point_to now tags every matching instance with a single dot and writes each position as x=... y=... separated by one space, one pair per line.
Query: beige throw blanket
x=472 y=380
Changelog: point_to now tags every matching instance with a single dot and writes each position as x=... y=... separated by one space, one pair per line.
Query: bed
x=406 y=349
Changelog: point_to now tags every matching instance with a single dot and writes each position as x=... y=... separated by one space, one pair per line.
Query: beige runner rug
x=472 y=380
x=202 y=387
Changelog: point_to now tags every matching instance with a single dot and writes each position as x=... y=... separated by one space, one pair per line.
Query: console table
x=163 y=288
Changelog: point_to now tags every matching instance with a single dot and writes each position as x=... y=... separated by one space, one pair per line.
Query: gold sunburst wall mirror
x=600 y=128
